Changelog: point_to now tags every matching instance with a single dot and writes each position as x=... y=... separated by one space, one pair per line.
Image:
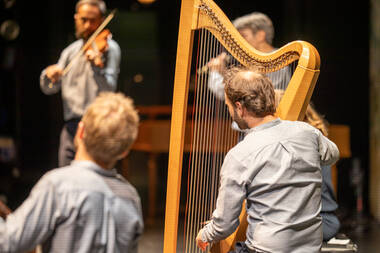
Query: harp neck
x=209 y=16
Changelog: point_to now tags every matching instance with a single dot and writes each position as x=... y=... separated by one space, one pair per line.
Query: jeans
x=66 y=152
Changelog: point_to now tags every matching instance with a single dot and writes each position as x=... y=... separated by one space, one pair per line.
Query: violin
x=94 y=46
x=95 y=50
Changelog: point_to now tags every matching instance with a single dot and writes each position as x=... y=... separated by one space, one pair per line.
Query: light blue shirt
x=277 y=170
x=84 y=81
x=79 y=208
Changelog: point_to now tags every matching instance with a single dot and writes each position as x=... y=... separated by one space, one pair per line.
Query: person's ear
x=239 y=108
x=122 y=155
x=80 y=130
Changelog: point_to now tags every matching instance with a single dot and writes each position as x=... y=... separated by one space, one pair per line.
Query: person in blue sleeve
x=86 y=206
x=276 y=169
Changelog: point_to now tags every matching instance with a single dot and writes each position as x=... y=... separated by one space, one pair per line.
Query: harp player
x=86 y=78
x=275 y=169
x=257 y=29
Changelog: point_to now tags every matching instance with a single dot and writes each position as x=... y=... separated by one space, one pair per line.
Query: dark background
x=147 y=35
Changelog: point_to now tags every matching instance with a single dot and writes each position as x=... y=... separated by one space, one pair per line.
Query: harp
x=202 y=141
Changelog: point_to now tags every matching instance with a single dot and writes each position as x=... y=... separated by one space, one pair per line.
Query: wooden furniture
x=340 y=135
x=204 y=18
x=153 y=138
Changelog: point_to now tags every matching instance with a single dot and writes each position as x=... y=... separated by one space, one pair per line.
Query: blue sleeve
x=231 y=195
x=32 y=222
x=47 y=87
x=328 y=150
x=109 y=74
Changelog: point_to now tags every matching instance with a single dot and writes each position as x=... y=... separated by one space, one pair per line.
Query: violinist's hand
x=201 y=244
x=4 y=210
x=95 y=57
x=218 y=63
x=54 y=73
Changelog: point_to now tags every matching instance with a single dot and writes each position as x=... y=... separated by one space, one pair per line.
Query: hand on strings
x=54 y=73
x=95 y=57
x=4 y=210
x=200 y=243
x=218 y=63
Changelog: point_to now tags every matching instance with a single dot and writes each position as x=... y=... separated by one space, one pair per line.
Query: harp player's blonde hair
x=311 y=116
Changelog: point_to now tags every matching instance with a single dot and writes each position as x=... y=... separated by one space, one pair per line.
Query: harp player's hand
x=54 y=73
x=218 y=63
x=200 y=243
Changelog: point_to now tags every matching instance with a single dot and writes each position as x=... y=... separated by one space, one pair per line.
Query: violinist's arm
x=110 y=72
x=50 y=78
x=54 y=73
x=215 y=81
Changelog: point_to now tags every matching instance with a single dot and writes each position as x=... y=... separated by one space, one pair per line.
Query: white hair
x=256 y=21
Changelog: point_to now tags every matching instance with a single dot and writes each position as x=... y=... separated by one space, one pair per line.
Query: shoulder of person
x=113 y=45
x=52 y=177
x=128 y=186
x=56 y=174
x=125 y=190
x=307 y=127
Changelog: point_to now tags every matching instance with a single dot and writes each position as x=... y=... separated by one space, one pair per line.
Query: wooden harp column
x=205 y=14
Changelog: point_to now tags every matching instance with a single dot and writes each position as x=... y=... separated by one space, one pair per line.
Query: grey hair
x=256 y=21
x=98 y=3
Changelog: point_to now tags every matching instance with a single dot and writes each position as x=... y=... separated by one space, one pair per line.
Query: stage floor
x=367 y=238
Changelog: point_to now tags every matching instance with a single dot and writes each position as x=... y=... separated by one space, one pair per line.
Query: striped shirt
x=79 y=208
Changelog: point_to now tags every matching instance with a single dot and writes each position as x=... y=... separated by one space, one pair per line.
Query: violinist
x=85 y=68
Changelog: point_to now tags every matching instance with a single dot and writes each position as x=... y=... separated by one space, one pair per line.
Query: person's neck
x=83 y=155
x=257 y=121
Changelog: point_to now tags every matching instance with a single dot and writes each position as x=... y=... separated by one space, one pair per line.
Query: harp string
x=208 y=125
x=211 y=128
x=189 y=213
x=219 y=141
x=197 y=167
x=205 y=145
x=200 y=157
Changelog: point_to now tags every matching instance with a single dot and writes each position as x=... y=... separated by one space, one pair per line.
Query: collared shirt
x=78 y=208
x=276 y=169
x=83 y=82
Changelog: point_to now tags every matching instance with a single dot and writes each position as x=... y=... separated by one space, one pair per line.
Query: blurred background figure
x=93 y=71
